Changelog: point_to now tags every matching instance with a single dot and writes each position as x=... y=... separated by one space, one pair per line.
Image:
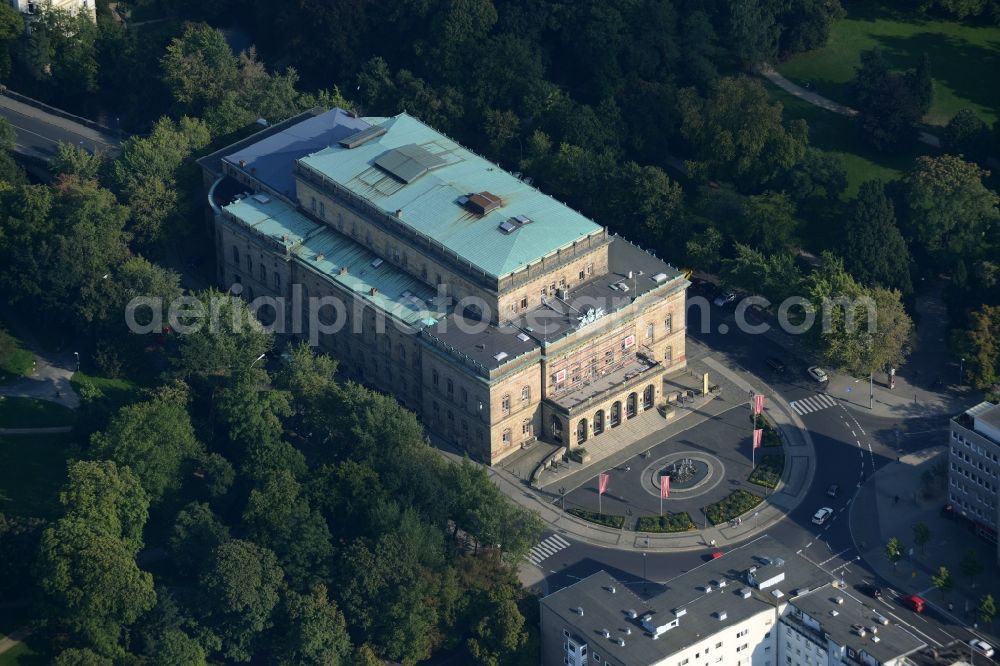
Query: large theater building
x=495 y=312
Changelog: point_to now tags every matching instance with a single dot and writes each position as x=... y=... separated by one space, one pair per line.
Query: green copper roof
x=424 y=175
x=325 y=250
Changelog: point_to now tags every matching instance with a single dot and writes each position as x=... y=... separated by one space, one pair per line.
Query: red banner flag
x=664 y=487
x=758 y=403
x=757 y=433
x=602 y=484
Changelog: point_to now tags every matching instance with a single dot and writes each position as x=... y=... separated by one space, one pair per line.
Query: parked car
x=982 y=647
x=833 y=490
x=914 y=603
x=818 y=373
x=776 y=364
x=822 y=515
x=717 y=554
x=724 y=299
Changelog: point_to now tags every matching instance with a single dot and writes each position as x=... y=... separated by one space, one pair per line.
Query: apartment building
x=973 y=467
x=758 y=605
x=497 y=313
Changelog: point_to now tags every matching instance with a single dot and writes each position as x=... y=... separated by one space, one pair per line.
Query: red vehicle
x=717 y=554
x=914 y=603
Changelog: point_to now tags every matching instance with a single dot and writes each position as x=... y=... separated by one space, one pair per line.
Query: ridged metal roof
x=430 y=203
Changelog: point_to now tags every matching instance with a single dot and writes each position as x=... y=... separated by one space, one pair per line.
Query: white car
x=818 y=374
x=822 y=515
x=982 y=647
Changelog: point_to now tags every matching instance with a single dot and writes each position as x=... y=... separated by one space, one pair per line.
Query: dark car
x=775 y=364
x=872 y=590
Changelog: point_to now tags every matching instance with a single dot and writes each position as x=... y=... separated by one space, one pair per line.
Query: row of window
x=978 y=464
x=974 y=477
x=979 y=498
x=263 y=269
x=975 y=447
x=986 y=516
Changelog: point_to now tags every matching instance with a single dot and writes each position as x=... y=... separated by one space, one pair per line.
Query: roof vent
x=499 y=357
x=875 y=639
x=721 y=615
x=834 y=613
x=374 y=291
x=579 y=610
x=631 y=614
x=745 y=592
x=611 y=589
x=522 y=219
x=343 y=270
x=777 y=594
x=320 y=257
x=523 y=337
x=659 y=278
x=358 y=138
x=605 y=633
x=243 y=164
x=284 y=238
x=621 y=642
x=709 y=589
x=482 y=203
x=680 y=612
x=628 y=631
x=261 y=198
x=377 y=262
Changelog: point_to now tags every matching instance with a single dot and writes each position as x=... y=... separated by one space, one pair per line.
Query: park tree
x=774 y=276
x=173 y=646
x=704 y=249
x=61 y=53
x=874 y=249
x=893 y=551
x=979 y=345
x=949 y=209
x=942 y=580
x=231 y=343
x=91 y=581
x=987 y=608
x=241 y=585
x=199 y=67
x=77 y=161
x=311 y=630
x=155 y=439
x=806 y=24
x=737 y=134
x=11 y=27
x=197 y=532
x=862 y=330
x=278 y=516
x=889 y=104
x=967 y=135
x=921 y=535
x=11 y=173
x=308 y=377
x=81 y=657
x=753 y=30
x=108 y=498
x=768 y=221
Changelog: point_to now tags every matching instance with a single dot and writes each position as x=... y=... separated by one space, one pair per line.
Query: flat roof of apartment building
x=446 y=193
x=705 y=600
x=841 y=615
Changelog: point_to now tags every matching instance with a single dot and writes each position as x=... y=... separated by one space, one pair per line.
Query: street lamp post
x=644 y=572
x=961 y=371
x=871 y=391
x=562 y=497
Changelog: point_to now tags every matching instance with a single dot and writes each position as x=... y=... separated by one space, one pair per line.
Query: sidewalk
x=795 y=483
x=50 y=379
x=876 y=516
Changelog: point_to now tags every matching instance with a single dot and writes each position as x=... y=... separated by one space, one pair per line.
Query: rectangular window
x=505 y=404
x=668 y=323
x=649 y=331
x=590 y=269
x=524 y=302
x=581 y=275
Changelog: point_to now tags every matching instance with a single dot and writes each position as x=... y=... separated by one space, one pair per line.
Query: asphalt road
x=850 y=447
x=40 y=133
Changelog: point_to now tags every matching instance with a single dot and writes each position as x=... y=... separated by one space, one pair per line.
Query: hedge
x=668 y=522
x=770 y=436
x=768 y=470
x=736 y=504
x=606 y=519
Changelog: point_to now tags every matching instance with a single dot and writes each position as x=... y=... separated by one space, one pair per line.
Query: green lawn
x=31 y=413
x=839 y=135
x=118 y=391
x=19 y=655
x=964 y=59
x=16 y=360
x=32 y=469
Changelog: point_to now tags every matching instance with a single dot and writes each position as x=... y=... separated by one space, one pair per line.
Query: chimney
x=399 y=213
x=343 y=270
x=243 y=164
x=374 y=291
x=319 y=257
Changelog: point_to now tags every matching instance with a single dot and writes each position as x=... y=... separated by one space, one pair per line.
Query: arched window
x=526 y=427
x=263 y=274
x=616 y=414
x=647 y=397
x=505 y=403
x=312 y=204
x=250 y=266
x=581 y=431
x=277 y=281
x=668 y=323
x=322 y=210
x=451 y=388
x=599 y=422
x=668 y=355
x=506 y=437
x=631 y=405
x=465 y=397
x=402 y=353
x=556 y=428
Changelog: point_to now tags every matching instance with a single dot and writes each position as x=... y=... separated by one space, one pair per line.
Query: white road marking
x=546 y=548
x=834 y=556
x=812 y=404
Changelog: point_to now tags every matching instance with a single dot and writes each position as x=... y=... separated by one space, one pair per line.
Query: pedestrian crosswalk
x=813 y=404
x=547 y=548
